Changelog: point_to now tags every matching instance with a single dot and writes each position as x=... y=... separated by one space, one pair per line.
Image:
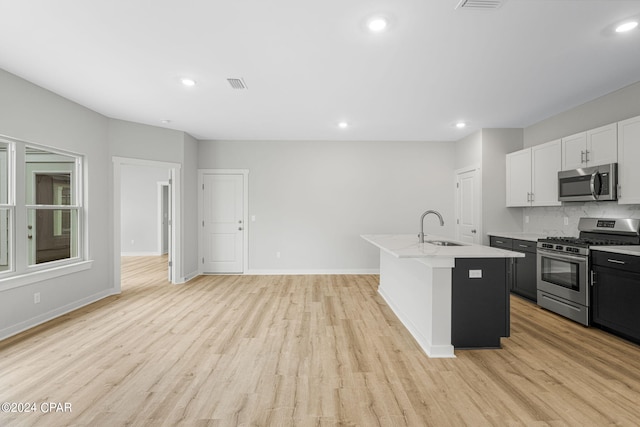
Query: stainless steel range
x=563 y=264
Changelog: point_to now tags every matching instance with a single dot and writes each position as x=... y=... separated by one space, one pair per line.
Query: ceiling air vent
x=237 y=83
x=480 y=4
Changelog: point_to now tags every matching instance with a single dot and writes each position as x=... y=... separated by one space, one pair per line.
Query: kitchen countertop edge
x=624 y=250
x=407 y=246
x=519 y=235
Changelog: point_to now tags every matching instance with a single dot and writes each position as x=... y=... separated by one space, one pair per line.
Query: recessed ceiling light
x=343 y=125
x=165 y=121
x=188 y=82
x=461 y=125
x=626 y=26
x=377 y=24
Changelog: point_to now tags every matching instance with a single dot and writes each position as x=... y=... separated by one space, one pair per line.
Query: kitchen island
x=446 y=296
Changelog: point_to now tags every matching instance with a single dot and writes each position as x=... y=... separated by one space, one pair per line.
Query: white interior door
x=223 y=226
x=468 y=206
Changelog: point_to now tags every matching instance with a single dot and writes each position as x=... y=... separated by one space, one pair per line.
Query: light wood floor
x=302 y=351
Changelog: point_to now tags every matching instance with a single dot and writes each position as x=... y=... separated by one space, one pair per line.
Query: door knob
x=473 y=231
x=239 y=228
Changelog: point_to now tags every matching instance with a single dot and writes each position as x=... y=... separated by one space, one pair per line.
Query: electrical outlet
x=133 y=242
x=253 y=218
x=278 y=254
x=566 y=220
x=526 y=219
x=475 y=274
x=36 y=298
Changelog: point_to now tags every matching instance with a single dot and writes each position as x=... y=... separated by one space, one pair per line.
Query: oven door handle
x=561 y=256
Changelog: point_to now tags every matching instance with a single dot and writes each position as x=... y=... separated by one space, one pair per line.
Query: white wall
x=138 y=141
x=139 y=214
x=469 y=150
x=312 y=200
x=33 y=114
x=190 y=207
x=144 y=142
x=496 y=143
x=487 y=148
x=613 y=107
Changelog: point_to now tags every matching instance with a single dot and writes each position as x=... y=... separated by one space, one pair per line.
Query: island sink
x=447 y=294
x=443 y=243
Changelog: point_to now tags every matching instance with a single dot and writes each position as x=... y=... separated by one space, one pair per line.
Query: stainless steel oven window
x=561 y=272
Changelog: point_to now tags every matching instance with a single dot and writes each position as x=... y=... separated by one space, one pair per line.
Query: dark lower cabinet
x=479 y=305
x=522 y=271
x=615 y=294
x=525 y=275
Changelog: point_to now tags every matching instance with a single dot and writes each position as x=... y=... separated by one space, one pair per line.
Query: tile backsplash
x=550 y=220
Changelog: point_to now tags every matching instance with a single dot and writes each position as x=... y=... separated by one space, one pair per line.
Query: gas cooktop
x=597 y=232
x=583 y=242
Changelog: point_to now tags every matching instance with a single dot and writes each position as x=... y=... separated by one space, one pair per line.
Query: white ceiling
x=310 y=64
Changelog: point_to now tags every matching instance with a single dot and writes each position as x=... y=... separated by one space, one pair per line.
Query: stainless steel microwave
x=588 y=184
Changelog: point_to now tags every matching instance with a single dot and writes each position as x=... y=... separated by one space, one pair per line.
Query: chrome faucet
x=421 y=235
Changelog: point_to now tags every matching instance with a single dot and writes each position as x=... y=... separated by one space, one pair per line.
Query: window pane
x=52 y=234
x=50 y=178
x=4 y=173
x=5 y=224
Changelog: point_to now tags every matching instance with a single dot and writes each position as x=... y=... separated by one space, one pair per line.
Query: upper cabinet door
x=519 y=178
x=602 y=145
x=574 y=149
x=591 y=148
x=628 y=155
x=546 y=163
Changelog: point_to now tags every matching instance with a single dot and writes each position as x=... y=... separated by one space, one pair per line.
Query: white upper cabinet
x=545 y=161
x=532 y=175
x=628 y=156
x=519 y=178
x=591 y=148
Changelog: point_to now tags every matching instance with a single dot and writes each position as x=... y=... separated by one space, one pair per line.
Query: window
x=6 y=209
x=52 y=209
x=43 y=228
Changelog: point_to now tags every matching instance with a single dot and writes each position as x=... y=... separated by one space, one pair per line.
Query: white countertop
x=625 y=250
x=407 y=246
x=532 y=237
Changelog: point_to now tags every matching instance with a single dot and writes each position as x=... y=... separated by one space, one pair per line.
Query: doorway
x=223 y=241
x=174 y=264
x=468 y=226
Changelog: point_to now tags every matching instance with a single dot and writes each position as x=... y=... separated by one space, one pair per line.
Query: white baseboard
x=50 y=315
x=258 y=272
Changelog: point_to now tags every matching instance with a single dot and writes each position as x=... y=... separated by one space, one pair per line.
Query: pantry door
x=223 y=223
x=468 y=227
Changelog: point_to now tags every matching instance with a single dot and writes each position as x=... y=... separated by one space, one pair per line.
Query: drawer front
x=616 y=261
x=501 y=242
x=524 y=246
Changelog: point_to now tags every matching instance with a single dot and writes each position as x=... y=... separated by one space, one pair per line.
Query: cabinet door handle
x=500 y=241
x=615 y=261
x=524 y=246
x=582 y=160
x=586 y=156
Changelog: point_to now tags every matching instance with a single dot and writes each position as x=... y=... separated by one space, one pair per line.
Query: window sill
x=40 y=276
